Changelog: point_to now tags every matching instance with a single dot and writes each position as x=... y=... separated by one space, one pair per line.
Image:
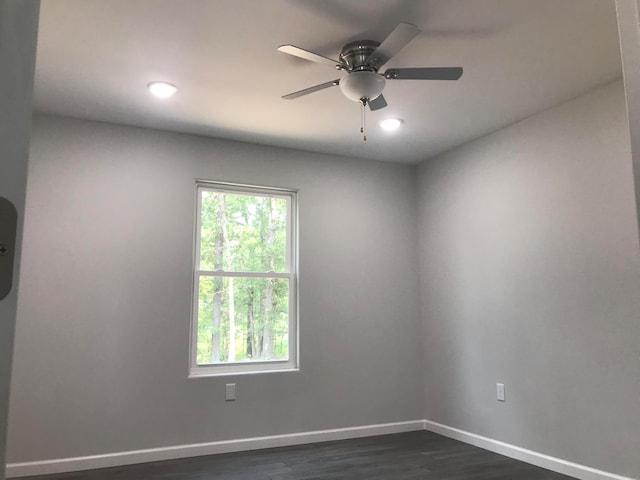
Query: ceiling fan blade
x=309 y=90
x=401 y=35
x=307 y=55
x=442 y=73
x=377 y=103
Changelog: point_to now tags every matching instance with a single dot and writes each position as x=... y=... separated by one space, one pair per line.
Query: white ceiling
x=95 y=58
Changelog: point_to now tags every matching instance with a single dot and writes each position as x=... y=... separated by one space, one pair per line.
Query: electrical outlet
x=500 y=392
x=230 y=392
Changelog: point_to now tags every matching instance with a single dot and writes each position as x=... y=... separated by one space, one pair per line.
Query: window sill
x=228 y=370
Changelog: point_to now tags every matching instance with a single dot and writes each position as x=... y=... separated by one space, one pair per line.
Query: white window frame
x=291 y=273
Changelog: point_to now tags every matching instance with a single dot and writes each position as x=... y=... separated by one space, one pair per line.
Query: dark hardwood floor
x=404 y=456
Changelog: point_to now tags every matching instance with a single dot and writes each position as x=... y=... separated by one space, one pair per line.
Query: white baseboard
x=44 y=467
x=534 y=458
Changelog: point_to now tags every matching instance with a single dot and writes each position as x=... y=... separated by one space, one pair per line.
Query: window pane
x=242 y=233
x=245 y=316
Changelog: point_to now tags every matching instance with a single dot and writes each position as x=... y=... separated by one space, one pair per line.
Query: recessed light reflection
x=390 y=124
x=162 y=89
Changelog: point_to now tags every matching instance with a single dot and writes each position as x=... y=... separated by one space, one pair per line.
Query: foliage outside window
x=244 y=313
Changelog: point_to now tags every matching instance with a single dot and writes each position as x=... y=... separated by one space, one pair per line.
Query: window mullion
x=224 y=273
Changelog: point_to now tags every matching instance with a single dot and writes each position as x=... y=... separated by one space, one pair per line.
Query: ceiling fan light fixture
x=365 y=84
x=390 y=124
x=162 y=89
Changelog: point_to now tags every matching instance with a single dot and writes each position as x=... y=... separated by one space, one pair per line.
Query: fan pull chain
x=363 y=122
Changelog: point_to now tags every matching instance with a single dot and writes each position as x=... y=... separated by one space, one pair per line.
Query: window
x=245 y=292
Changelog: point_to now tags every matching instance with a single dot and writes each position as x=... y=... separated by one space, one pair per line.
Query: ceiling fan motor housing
x=356 y=55
x=362 y=83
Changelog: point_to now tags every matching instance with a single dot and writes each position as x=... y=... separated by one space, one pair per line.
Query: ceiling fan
x=361 y=61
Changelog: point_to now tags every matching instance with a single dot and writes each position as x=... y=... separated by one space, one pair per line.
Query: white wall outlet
x=230 y=394
x=500 y=392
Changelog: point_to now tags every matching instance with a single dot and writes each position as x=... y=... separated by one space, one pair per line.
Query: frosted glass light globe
x=358 y=85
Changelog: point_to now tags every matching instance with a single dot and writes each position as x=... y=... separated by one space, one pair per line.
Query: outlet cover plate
x=500 y=392
x=230 y=392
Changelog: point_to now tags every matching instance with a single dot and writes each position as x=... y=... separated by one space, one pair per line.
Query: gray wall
x=18 y=27
x=530 y=275
x=629 y=32
x=103 y=316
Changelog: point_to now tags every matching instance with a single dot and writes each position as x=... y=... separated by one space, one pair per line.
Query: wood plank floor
x=404 y=456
